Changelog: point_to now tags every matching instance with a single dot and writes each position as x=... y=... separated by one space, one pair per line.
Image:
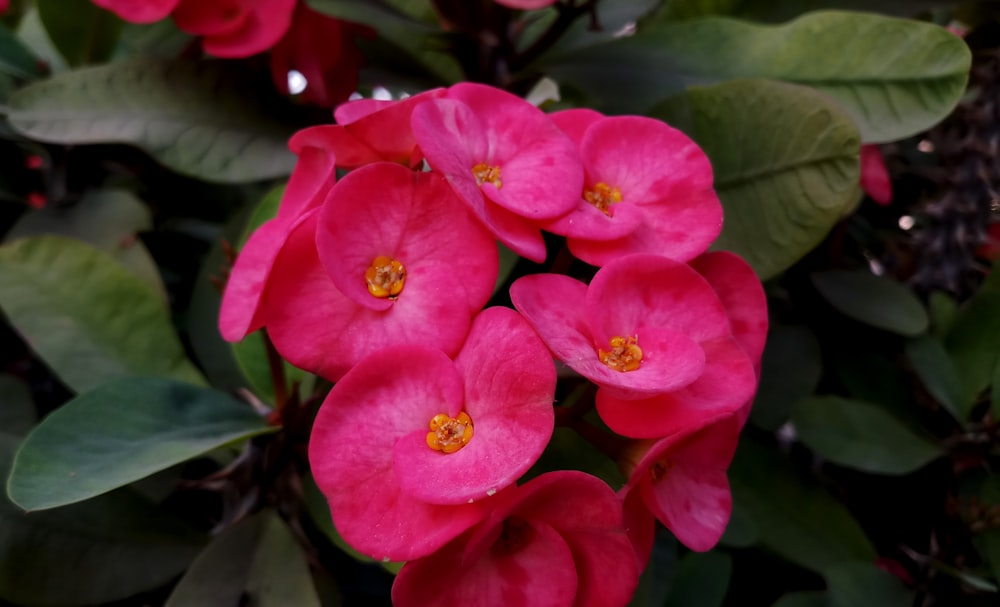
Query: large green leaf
x=16 y=61
x=973 y=340
x=121 y=432
x=205 y=119
x=938 y=373
x=873 y=300
x=781 y=194
x=894 y=77
x=101 y=550
x=257 y=562
x=853 y=584
x=781 y=10
x=85 y=315
x=790 y=370
x=861 y=436
x=108 y=220
x=793 y=514
x=83 y=32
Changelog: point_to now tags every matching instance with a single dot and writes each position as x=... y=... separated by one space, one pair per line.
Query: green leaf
x=94 y=552
x=16 y=61
x=780 y=197
x=974 y=338
x=938 y=373
x=781 y=10
x=873 y=300
x=85 y=315
x=106 y=219
x=740 y=531
x=861 y=436
x=790 y=370
x=206 y=120
x=83 y=32
x=701 y=580
x=804 y=599
x=853 y=584
x=17 y=408
x=995 y=395
x=119 y=433
x=256 y=562
x=894 y=77
x=793 y=514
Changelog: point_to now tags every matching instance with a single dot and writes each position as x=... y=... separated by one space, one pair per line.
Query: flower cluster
x=378 y=283
x=319 y=48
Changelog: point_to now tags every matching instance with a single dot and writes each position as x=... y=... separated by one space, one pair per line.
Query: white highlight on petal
x=296 y=82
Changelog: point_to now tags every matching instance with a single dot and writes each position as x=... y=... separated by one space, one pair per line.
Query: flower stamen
x=485 y=173
x=625 y=354
x=449 y=434
x=602 y=196
x=385 y=277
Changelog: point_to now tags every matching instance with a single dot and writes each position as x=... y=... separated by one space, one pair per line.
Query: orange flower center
x=624 y=355
x=485 y=173
x=603 y=196
x=449 y=434
x=385 y=277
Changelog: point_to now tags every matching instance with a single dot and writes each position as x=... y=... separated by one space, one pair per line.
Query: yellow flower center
x=385 y=277
x=485 y=173
x=624 y=355
x=449 y=434
x=602 y=197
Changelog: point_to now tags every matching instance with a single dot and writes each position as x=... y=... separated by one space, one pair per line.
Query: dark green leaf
x=894 y=77
x=780 y=198
x=942 y=310
x=937 y=371
x=121 y=432
x=974 y=338
x=861 y=436
x=740 y=531
x=996 y=390
x=207 y=120
x=790 y=370
x=108 y=220
x=85 y=315
x=83 y=32
x=873 y=300
x=804 y=599
x=793 y=514
x=853 y=584
x=257 y=562
x=94 y=552
x=701 y=580
x=17 y=409
x=16 y=61
x=781 y=10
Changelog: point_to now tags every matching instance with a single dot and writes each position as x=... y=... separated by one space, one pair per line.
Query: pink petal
x=553 y=305
x=211 y=18
x=355 y=110
x=541 y=572
x=385 y=209
x=509 y=383
x=652 y=291
x=138 y=11
x=588 y=222
x=729 y=380
x=875 y=180
x=526 y=4
x=741 y=293
x=314 y=174
x=575 y=122
x=640 y=525
x=670 y=361
x=265 y=23
x=384 y=397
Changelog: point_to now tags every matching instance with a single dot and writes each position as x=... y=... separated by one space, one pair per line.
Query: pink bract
x=875 y=180
x=526 y=4
x=513 y=145
x=133 y=11
x=557 y=541
x=235 y=28
x=382 y=209
x=682 y=480
x=662 y=182
x=390 y=494
x=310 y=182
x=692 y=367
x=322 y=49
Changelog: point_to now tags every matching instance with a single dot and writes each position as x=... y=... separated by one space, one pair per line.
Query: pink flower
x=647 y=189
x=134 y=11
x=391 y=258
x=557 y=541
x=310 y=182
x=653 y=334
x=408 y=442
x=504 y=158
x=875 y=179
x=322 y=49
x=681 y=480
x=526 y=4
x=235 y=28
